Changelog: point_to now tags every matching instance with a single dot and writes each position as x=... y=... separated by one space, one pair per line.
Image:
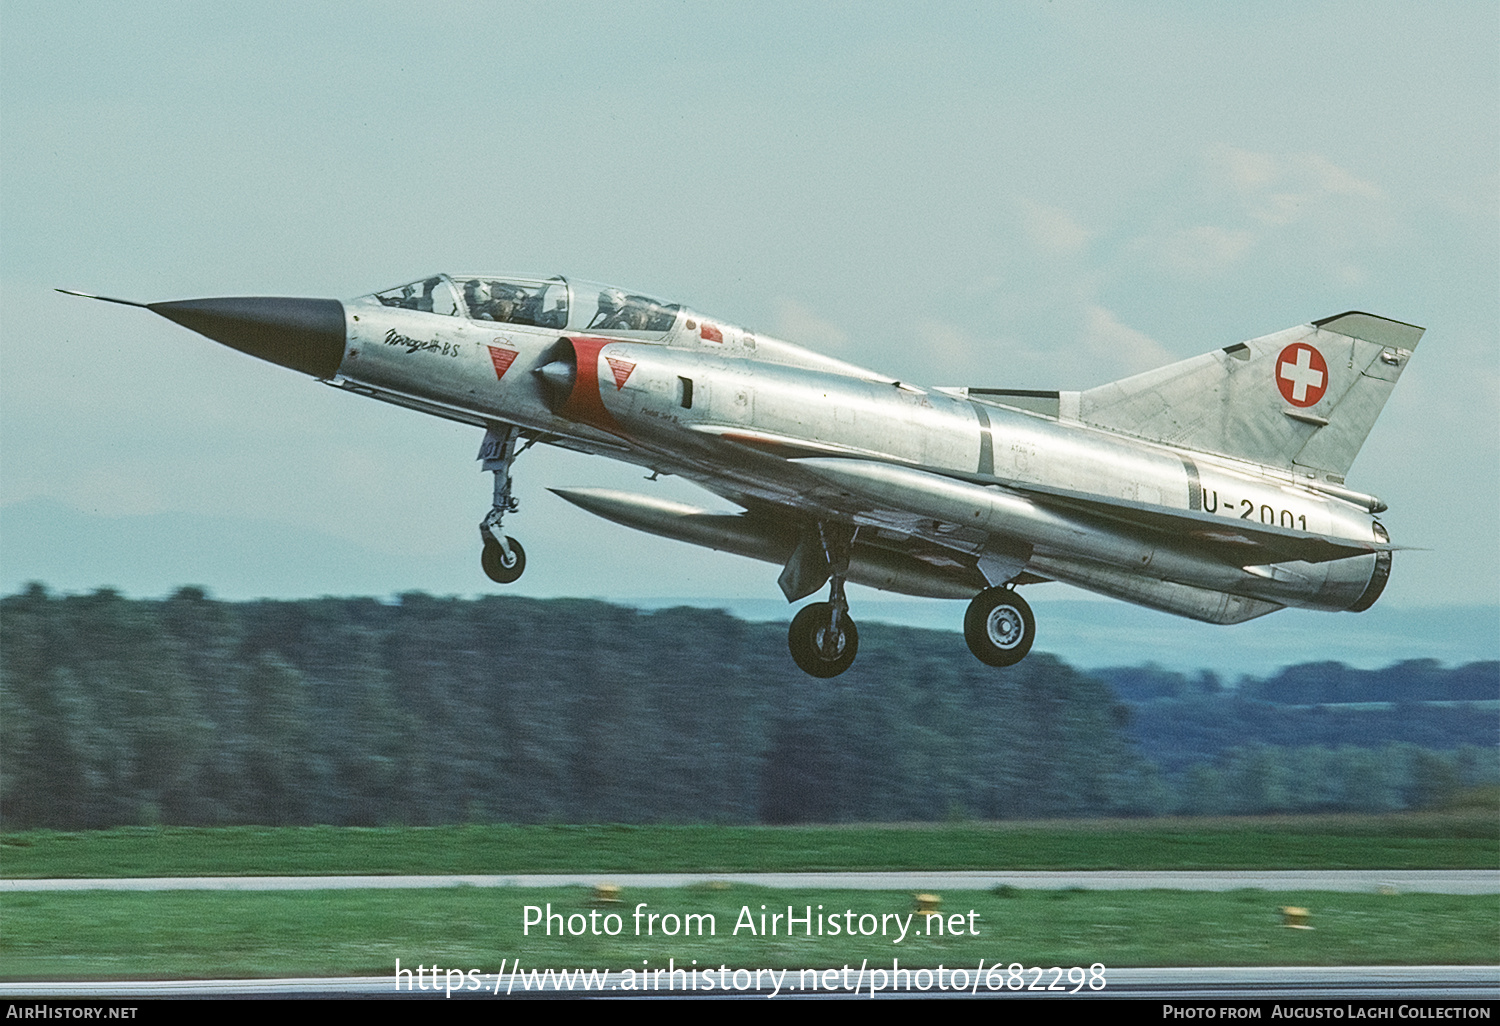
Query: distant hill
x=1183 y=719
x=240 y=558
x=1089 y=633
x=424 y=710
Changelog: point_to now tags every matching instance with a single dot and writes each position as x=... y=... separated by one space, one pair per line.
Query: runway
x=1427 y=983
x=1370 y=881
x=1465 y=984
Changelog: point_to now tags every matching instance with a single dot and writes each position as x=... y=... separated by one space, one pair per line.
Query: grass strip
x=190 y=935
x=1410 y=841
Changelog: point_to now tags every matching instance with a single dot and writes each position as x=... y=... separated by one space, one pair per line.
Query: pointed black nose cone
x=303 y=334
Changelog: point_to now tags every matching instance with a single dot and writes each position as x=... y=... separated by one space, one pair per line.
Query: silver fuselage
x=932 y=478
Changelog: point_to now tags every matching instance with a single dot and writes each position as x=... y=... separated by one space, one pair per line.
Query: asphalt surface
x=1428 y=881
x=1470 y=985
x=1379 y=983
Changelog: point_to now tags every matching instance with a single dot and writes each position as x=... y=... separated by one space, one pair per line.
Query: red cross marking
x=1301 y=374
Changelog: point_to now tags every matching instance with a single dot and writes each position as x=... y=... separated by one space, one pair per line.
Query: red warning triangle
x=710 y=333
x=502 y=359
x=621 y=371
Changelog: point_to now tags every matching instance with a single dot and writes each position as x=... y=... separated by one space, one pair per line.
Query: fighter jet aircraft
x=1212 y=488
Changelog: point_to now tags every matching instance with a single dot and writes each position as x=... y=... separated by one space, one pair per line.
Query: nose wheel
x=999 y=627
x=500 y=565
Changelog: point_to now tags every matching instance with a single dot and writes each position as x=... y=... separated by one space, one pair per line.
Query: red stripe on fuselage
x=584 y=402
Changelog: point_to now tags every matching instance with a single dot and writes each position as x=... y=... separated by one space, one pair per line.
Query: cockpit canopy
x=554 y=303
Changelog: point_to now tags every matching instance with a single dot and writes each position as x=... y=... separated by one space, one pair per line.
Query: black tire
x=999 y=627
x=805 y=640
x=495 y=566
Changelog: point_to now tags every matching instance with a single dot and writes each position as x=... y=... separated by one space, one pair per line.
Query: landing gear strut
x=822 y=638
x=999 y=627
x=503 y=559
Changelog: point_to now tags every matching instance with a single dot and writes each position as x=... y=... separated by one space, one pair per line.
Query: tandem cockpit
x=567 y=304
x=555 y=303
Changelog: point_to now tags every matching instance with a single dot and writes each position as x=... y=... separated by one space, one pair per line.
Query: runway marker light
x=1294 y=918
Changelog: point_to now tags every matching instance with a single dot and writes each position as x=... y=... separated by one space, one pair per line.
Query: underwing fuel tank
x=772 y=541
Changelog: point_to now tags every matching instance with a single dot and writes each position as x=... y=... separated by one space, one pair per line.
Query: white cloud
x=799 y=323
x=1053 y=229
x=1115 y=344
x=1333 y=179
x=949 y=350
x=1279 y=208
x=1245 y=170
x=1284 y=188
x=1272 y=204
x=1205 y=249
x=1096 y=348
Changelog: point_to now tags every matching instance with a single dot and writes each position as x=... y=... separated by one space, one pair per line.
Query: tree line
x=1182 y=720
x=430 y=710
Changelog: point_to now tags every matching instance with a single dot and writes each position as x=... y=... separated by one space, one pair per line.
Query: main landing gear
x=502 y=558
x=822 y=638
x=999 y=627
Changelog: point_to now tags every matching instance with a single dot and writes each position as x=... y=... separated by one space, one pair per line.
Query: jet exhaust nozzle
x=307 y=335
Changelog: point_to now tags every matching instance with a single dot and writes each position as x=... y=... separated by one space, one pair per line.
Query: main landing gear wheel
x=818 y=648
x=497 y=567
x=999 y=627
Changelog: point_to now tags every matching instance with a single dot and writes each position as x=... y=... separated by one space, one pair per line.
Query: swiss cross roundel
x=1301 y=374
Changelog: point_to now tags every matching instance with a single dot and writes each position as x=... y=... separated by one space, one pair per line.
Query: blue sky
x=1030 y=195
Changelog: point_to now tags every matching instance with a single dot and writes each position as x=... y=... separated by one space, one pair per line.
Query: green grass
x=1453 y=840
x=186 y=934
x=193 y=934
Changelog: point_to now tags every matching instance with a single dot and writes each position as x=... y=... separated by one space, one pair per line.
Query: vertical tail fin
x=1302 y=399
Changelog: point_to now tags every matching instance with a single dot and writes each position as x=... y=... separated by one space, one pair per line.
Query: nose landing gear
x=502 y=558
